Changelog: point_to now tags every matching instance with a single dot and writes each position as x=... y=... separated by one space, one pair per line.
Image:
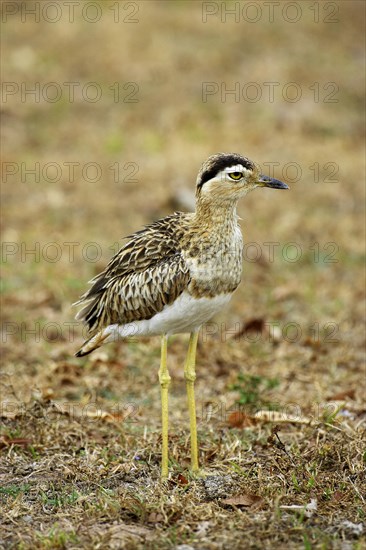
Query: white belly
x=186 y=314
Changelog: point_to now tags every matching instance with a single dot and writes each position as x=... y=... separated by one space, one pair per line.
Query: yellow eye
x=235 y=175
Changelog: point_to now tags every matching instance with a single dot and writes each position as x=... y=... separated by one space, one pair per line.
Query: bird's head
x=229 y=176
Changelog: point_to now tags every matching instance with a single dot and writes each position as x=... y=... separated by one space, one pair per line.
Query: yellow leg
x=164 y=379
x=190 y=376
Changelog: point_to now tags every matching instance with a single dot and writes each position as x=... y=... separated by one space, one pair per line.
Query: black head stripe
x=221 y=161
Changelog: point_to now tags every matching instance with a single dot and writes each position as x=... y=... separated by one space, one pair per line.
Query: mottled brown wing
x=145 y=275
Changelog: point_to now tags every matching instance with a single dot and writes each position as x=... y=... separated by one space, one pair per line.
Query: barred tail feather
x=92 y=344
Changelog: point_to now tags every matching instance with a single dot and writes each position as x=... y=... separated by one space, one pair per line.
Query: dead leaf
x=276 y=416
x=239 y=419
x=6 y=441
x=179 y=479
x=47 y=394
x=341 y=396
x=68 y=381
x=308 y=509
x=244 y=499
x=89 y=411
x=182 y=480
x=253 y=325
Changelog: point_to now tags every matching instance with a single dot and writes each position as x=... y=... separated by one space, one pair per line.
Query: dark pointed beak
x=266 y=181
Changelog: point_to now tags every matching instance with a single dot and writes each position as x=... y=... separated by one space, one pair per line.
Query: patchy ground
x=281 y=375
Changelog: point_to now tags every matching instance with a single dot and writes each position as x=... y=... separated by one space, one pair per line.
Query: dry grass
x=80 y=439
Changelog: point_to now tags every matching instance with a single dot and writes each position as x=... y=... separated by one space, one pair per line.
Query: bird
x=174 y=275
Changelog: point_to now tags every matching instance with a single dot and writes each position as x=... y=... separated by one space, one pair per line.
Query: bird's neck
x=218 y=215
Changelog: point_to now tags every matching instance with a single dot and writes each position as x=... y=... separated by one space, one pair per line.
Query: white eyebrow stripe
x=236 y=168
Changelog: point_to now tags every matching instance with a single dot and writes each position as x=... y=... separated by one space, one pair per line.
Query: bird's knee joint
x=164 y=380
x=190 y=376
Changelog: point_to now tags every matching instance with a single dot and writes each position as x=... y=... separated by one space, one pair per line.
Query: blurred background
x=109 y=109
